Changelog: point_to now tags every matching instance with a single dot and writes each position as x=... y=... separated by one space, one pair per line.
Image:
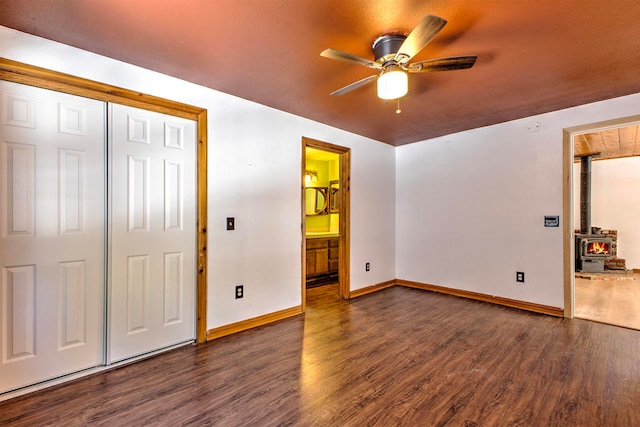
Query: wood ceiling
x=533 y=56
x=608 y=144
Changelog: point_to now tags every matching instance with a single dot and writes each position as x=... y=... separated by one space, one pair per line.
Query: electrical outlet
x=231 y=223
x=239 y=291
x=367 y=266
x=520 y=276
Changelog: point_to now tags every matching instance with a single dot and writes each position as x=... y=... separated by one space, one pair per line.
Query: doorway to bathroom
x=325 y=216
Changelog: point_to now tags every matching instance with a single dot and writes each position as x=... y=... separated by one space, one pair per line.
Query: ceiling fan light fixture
x=393 y=83
x=393 y=53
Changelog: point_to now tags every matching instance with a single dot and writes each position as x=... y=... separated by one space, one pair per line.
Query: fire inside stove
x=598 y=248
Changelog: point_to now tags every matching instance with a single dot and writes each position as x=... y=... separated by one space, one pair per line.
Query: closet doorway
x=325 y=227
x=102 y=260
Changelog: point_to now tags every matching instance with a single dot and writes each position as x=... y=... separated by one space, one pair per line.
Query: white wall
x=254 y=175
x=615 y=202
x=470 y=206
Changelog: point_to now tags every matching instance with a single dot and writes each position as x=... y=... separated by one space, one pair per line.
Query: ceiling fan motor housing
x=385 y=47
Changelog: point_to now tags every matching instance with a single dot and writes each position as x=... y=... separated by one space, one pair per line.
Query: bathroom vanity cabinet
x=322 y=258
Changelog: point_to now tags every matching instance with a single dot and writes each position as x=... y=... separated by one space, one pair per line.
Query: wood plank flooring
x=395 y=357
x=616 y=302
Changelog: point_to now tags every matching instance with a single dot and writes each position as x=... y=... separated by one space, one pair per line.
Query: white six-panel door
x=66 y=241
x=153 y=233
x=52 y=216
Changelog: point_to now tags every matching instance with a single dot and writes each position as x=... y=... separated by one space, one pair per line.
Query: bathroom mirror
x=316 y=201
x=334 y=197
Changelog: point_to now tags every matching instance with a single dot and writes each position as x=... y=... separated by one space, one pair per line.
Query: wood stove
x=591 y=252
x=592 y=248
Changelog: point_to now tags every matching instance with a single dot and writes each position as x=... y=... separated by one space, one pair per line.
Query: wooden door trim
x=345 y=206
x=19 y=72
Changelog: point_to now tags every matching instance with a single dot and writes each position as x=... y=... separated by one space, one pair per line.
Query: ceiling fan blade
x=443 y=64
x=421 y=35
x=349 y=57
x=355 y=85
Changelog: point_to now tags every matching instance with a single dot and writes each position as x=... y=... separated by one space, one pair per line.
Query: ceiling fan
x=392 y=54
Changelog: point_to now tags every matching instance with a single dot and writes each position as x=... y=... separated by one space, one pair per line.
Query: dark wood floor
x=397 y=357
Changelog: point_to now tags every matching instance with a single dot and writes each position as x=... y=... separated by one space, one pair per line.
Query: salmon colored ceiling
x=534 y=56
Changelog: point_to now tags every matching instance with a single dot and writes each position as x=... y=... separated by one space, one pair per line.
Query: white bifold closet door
x=98 y=233
x=153 y=232
x=52 y=195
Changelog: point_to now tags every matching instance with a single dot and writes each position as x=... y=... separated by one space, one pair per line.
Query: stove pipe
x=585 y=195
